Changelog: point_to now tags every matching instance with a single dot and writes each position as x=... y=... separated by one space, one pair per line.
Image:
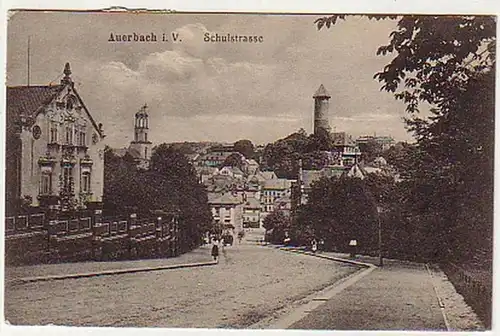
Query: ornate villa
x=54 y=148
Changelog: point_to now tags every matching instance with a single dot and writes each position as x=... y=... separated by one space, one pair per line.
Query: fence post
x=159 y=223
x=96 y=218
x=132 y=221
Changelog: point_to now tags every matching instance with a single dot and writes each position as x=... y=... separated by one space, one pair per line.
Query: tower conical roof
x=321 y=92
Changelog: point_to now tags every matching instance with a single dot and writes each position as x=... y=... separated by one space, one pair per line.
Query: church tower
x=321 y=105
x=141 y=145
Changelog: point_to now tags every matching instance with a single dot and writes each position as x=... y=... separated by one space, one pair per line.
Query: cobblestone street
x=249 y=283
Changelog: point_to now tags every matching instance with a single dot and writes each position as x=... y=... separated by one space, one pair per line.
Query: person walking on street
x=215 y=250
x=314 y=246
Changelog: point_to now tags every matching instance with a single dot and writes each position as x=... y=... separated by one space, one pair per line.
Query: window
x=69 y=135
x=85 y=186
x=67 y=179
x=46 y=184
x=53 y=133
x=146 y=153
x=82 y=139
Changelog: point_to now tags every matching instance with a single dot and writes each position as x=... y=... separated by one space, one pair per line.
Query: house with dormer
x=54 y=148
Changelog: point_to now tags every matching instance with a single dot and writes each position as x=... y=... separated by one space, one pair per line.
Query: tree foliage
x=170 y=184
x=276 y=223
x=245 y=147
x=370 y=150
x=233 y=160
x=338 y=210
x=283 y=156
x=448 y=63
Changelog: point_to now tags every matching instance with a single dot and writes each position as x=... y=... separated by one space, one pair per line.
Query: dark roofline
x=60 y=87
x=88 y=113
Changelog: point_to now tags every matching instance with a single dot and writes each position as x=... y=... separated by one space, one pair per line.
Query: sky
x=199 y=91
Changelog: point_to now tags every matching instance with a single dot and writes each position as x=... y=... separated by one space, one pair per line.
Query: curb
x=347 y=261
x=317 y=299
x=110 y=272
x=439 y=300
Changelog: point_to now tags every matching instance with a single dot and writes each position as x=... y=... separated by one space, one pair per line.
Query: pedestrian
x=215 y=250
x=322 y=245
x=314 y=246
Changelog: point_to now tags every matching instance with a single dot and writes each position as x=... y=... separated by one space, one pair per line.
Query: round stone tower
x=321 y=105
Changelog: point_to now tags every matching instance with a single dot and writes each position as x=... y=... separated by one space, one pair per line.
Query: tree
x=320 y=141
x=169 y=185
x=176 y=186
x=245 y=147
x=370 y=150
x=233 y=160
x=449 y=64
x=120 y=178
x=276 y=223
x=283 y=155
x=338 y=210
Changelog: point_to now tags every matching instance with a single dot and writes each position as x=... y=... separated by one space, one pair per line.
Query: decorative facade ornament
x=37 y=132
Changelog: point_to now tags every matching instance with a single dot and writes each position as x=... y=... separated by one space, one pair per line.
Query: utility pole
x=28 y=75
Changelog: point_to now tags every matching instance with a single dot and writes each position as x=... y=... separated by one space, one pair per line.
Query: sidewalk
x=197 y=256
x=395 y=297
x=401 y=295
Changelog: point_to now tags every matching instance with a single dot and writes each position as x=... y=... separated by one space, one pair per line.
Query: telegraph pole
x=28 y=75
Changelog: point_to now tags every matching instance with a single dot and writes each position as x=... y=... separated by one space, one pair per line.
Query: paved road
x=250 y=283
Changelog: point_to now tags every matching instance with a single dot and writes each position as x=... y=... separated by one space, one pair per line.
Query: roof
x=226 y=198
x=321 y=92
x=280 y=184
x=268 y=175
x=134 y=152
x=237 y=171
x=252 y=203
x=343 y=139
x=333 y=171
x=28 y=99
x=357 y=171
x=192 y=157
x=119 y=151
x=380 y=161
x=310 y=176
x=206 y=170
x=252 y=162
x=374 y=170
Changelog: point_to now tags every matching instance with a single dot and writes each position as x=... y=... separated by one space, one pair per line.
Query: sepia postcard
x=255 y=171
